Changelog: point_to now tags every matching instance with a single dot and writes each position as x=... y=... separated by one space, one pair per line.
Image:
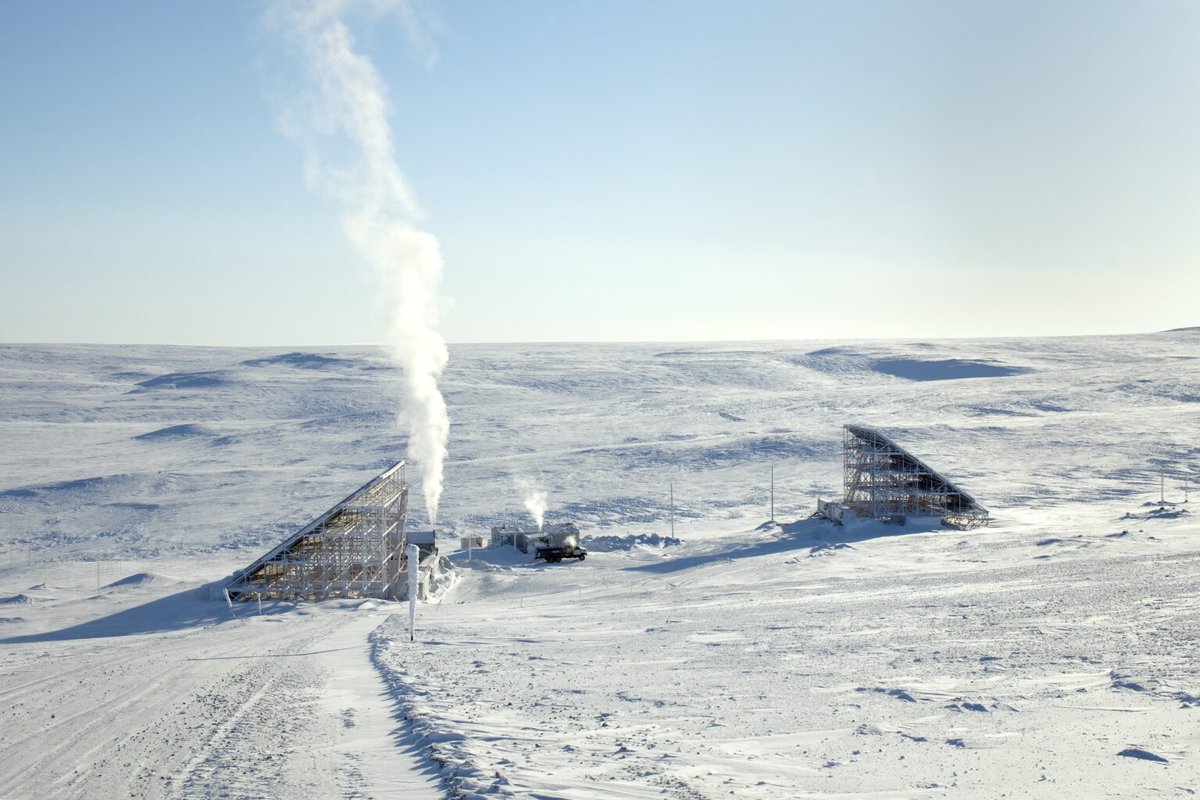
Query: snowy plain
x=1054 y=653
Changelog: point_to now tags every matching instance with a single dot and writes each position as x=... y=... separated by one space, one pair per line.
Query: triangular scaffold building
x=885 y=481
x=355 y=549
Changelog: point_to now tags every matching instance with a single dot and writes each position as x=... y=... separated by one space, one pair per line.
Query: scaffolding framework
x=885 y=481
x=355 y=549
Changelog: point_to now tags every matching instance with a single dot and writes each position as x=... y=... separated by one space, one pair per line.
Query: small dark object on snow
x=1145 y=755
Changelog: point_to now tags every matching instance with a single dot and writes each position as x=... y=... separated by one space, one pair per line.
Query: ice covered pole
x=414 y=565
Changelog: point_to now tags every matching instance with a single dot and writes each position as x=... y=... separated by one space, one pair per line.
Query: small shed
x=426 y=541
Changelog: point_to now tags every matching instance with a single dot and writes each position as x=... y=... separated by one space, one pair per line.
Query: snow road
x=194 y=704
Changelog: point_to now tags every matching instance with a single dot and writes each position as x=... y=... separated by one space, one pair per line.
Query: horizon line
x=383 y=346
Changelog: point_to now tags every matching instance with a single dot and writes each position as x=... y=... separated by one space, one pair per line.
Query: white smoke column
x=534 y=500
x=344 y=102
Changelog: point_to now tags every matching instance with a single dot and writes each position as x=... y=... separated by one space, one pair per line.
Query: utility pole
x=671 y=488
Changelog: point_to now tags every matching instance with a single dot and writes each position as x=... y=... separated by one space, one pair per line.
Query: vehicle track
x=115 y=717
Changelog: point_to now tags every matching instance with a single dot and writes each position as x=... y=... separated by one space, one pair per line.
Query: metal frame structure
x=885 y=481
x=355 y=549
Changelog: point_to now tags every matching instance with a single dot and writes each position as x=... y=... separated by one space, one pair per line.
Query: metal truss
x=355 y=549
x=885 y=481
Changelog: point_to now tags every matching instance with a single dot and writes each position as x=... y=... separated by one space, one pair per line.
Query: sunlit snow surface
x=1054 y=653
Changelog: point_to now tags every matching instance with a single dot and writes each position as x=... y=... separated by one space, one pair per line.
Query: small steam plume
x=534 y=500
x=340 y=119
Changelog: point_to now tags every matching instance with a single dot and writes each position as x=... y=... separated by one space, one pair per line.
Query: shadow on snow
x=805 y=533
x=189 y=608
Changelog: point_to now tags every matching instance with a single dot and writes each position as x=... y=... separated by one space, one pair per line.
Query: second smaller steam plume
x=534 y=500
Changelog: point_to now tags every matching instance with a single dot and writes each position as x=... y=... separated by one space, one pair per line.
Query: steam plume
x=340 y=119
x=534 y=500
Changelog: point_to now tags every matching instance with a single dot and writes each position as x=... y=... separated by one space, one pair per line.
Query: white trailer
x=550 y=542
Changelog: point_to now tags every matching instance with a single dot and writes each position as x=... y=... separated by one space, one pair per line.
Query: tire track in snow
x=212 y=769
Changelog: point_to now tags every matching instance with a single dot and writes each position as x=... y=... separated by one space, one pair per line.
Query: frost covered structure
x=355 y=549
x=885 y=481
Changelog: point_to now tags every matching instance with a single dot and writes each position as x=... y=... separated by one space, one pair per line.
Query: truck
x=555 y=545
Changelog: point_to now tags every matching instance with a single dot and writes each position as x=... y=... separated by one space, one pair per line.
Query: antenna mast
x=772 y=493
x=671 y=488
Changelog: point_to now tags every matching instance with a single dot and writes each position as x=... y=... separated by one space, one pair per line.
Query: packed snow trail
x=284 y=704
x=369 y=737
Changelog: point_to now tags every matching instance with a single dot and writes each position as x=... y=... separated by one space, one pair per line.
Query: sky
x=625 y=170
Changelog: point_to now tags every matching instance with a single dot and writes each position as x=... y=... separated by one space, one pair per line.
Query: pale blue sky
x=618 y=171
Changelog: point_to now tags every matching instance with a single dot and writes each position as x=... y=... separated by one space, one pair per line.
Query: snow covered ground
x=1054 y=653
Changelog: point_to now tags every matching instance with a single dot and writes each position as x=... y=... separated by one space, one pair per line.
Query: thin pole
x=1162 y=482
x=772 y=493
x=671 y=486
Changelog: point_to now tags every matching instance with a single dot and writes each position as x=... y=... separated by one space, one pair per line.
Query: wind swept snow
x=904 y=664
x=1054 y=653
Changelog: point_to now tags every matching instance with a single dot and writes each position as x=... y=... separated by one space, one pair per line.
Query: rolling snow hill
x=1054 y=653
